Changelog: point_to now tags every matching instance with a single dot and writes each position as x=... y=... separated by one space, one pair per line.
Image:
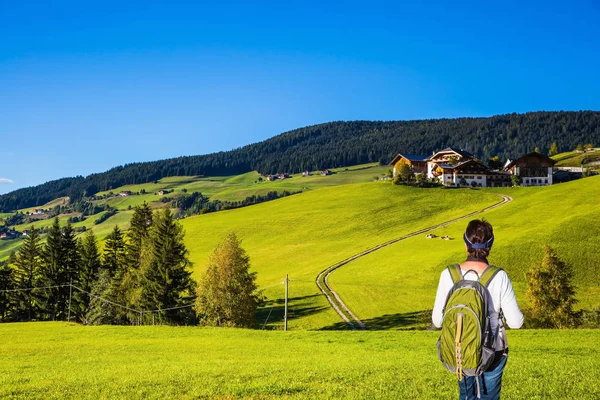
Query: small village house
x=440 y=165
x=535 y=169
x=418 y=163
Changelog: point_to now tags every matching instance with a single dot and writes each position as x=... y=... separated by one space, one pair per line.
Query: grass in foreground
x=62 y=361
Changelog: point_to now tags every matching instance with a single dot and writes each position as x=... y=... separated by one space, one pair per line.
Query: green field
x=574 y=159
x=303 y=234
x=66 y=361
x=386 y=286
x=225 y=188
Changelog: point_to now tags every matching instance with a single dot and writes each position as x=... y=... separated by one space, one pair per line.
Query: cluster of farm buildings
x=453 y=167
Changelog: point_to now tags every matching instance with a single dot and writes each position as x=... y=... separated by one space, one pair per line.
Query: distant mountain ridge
x=337 y=144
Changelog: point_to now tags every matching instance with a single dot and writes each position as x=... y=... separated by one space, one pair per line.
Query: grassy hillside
x=232 y=188
x=59 y=360
x=574 y=159
x=303 y=234
x=387 y=286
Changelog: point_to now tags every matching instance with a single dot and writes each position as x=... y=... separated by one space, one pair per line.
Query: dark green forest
x=338 y=144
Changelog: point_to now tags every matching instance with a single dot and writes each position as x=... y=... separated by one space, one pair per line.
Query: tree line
x=145 y=267
x=142 y=275
x=338 y=144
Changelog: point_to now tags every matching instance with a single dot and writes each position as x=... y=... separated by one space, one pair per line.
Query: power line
x=34 y=288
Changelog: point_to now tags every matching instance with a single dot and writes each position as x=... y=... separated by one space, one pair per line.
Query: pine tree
x=139 y=230
x=553 y=150
x=54 y=274
x=7 y=299
x=71 y=263
x=114 y=252
x=551 y=293
x=137 y=251
x=114 y=262
x=28 y=274
x=167 y=281
x=227 y=294
x=88 y=272
x=100 y=311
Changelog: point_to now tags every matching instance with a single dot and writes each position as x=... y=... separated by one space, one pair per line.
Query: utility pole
x=70 y=294
x=285 y=317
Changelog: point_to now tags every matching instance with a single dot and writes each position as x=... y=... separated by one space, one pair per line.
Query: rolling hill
x=339 y=144
x=335 y=218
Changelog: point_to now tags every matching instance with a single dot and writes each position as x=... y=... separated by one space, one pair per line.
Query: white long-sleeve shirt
x=502 y=298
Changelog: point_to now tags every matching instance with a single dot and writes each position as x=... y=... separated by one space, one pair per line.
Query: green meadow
x=574 y=159
x=224 y=188
x=54 y=360
x=303 y=234
x=386 y=288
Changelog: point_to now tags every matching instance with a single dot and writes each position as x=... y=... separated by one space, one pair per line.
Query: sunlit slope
x=303 y=234
x=224 y=188
x=384 y=287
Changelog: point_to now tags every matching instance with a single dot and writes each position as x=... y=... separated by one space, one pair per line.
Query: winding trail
x=334 y=299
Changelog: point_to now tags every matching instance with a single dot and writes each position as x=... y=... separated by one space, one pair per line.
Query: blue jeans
x=489 y=383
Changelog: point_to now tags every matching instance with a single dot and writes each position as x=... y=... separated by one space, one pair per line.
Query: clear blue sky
x=87 y=87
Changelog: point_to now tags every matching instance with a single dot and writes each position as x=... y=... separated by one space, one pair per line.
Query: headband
x=485 y=245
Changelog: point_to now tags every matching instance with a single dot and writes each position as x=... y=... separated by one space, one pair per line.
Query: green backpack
x=466 y=344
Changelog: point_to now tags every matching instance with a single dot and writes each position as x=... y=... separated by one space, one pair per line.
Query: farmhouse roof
x=446 y=166
x=463 y=163
x=532 y=154
x=462 y=153
x=409 y=157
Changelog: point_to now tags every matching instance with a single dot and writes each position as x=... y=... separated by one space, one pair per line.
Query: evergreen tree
x=100 y=311
x=7 y=299
x=54 y=274
x=71 y=255
x=114 y=262
x=137 y=258
x=167 y=281
x=138 y=232
x=28 y=274
x=553 y=150
x=114 y=252
x=88 y=272
x=227 y=294
x=551 y=293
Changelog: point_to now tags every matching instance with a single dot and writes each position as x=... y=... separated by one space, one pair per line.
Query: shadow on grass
x=273 y=311
x=416 y=320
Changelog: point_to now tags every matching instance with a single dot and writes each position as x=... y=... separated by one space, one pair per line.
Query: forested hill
x=337 y=144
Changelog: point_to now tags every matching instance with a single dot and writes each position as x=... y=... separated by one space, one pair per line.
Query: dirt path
x=334 y=299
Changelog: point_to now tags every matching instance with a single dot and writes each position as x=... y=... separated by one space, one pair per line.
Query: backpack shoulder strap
x=455 y=273
x=489 y=274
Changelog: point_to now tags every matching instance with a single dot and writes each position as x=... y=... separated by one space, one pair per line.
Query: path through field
x=332 y=296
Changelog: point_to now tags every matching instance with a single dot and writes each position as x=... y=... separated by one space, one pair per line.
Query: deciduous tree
x=227 y=294
x=551 y=292
x=553 y=150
